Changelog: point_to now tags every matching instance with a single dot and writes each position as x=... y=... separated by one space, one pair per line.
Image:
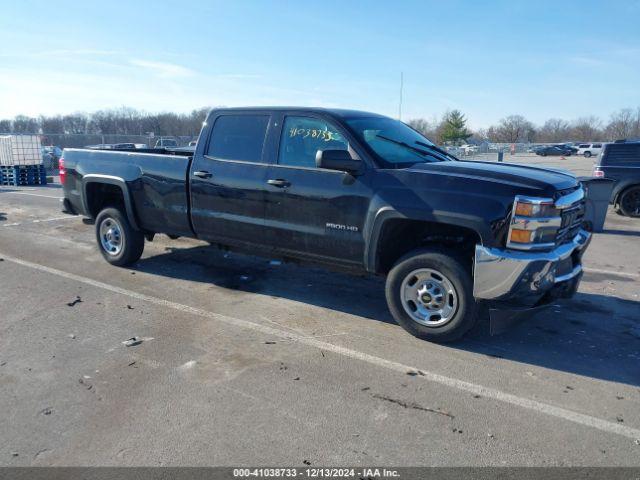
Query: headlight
x=534 y=223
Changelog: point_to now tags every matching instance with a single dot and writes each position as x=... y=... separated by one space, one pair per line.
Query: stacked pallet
x=23 y=175
x=21 y=160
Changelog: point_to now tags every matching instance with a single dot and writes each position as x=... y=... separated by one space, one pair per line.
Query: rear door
x=228 y=178
x=312 y=212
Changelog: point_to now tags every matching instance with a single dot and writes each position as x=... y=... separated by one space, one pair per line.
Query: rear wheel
x=430 y=294
x=629 y=203
x=118 y=242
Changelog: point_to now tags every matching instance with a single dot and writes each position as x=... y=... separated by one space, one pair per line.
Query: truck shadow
x=591 y=335
x=626 y=233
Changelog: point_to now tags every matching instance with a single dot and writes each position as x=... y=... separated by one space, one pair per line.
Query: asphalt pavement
x=241 y=361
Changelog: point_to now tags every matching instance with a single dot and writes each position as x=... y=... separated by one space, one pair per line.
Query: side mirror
x=337 y=160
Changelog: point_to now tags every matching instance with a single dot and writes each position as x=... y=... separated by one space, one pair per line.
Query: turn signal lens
x=521 y=236
x=524 y=209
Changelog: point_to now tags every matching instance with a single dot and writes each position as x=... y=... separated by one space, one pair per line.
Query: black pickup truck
x=353 y=191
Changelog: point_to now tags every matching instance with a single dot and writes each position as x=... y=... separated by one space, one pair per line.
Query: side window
x=238 y=137
x=302 y=137
x=597 y=145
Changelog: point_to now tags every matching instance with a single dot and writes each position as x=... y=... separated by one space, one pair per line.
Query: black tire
x=543 y=154
x=587 y=154
x=131 y=242
x=629 y=202
x=452 y=267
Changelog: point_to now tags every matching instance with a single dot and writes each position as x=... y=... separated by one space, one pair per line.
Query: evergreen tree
x=454 y=127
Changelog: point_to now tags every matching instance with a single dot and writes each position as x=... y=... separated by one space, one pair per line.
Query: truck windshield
x=396 y=144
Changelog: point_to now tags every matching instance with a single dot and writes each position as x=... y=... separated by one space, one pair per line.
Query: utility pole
x=400 y=103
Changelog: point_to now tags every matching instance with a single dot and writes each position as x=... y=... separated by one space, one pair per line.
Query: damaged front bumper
x=520 y=282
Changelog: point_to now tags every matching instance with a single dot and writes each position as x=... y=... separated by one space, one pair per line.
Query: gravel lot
x=246 y=362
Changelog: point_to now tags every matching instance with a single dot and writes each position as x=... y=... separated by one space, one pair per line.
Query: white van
x=589 y=149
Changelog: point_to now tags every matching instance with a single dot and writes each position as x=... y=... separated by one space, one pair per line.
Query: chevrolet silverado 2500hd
x=350 y=190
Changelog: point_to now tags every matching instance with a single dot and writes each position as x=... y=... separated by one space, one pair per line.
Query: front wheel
x=118 y=242
x=629 y=203
x=587 y=154
x=430 y=294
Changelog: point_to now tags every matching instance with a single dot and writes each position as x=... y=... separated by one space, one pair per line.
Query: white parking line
x=54 y=219
x=31 y=194
x=612 y=272
x=547 y=409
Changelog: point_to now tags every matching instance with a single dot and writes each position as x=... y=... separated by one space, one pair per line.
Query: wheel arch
x=90 y=205
x=394 y=234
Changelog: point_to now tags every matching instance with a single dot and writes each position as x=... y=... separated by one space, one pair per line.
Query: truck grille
x=571 y=222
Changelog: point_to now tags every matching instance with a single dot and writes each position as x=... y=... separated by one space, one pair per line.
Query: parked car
x=571 y=146
x=354 y=191
x=166 y=143
x=124 y=146
x=589 y=149
x=52 y=151
x=467 y=149
x=100 y=146
x=553 y=150
x=50 y=156
x=620 y=161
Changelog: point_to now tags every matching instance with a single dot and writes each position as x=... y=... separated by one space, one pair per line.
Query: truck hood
x=522 y=176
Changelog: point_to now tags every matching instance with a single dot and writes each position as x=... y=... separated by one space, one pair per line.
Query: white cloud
x=163 y=69
x=60 y=53
x=587 y=61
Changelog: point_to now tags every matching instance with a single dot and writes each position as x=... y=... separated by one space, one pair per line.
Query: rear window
x=238 y=137
x=622 y=154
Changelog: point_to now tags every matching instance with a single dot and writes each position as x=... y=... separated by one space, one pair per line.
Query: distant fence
x=78 y=140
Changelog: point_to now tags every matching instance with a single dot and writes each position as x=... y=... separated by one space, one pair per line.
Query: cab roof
x=334 y=112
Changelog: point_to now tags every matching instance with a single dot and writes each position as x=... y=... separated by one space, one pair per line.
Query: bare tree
x=554 y=130
x=514 y=128
x=621 y=125
x=24 y=124
x=586 y=129
x=51 y=124
x=424 y=126
x=74 y=123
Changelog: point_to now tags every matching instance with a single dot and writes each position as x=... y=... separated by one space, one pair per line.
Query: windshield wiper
x=437 y=149
x=429 y=148
x=405 y=145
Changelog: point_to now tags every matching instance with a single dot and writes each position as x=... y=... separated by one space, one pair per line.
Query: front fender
x=382 y=213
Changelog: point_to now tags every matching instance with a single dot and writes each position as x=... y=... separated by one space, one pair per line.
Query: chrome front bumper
x=524 y=277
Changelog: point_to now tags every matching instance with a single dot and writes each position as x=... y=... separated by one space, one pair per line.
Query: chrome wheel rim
x=429 y=297
x=111 y=236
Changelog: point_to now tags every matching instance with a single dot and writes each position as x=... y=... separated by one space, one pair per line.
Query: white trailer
x=20 y=150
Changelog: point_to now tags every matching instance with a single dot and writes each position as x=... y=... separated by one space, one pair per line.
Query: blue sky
x=488 y=58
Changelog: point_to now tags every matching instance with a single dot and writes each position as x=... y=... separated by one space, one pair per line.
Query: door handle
x=202 y=174
x=278 y=182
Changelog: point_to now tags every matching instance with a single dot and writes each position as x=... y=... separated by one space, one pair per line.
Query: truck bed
x=155 y=180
